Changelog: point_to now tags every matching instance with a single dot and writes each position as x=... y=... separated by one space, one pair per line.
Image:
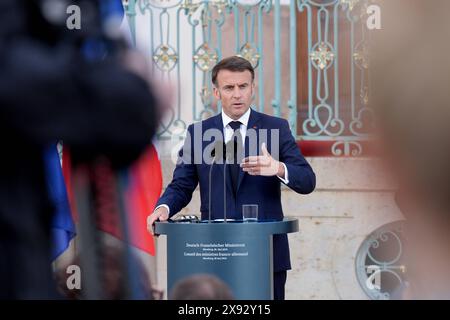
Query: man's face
x=235 y=90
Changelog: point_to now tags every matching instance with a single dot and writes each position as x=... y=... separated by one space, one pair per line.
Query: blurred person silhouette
x=201 y=287
x=410 y=77
x=100 y=106
x=112 y=277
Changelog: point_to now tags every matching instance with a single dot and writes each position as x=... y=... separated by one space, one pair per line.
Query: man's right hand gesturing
x=161 y=214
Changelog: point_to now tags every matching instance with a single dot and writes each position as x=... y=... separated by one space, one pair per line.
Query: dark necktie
x=234 y=166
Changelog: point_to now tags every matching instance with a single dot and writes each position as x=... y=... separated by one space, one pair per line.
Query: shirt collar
x=243 y=119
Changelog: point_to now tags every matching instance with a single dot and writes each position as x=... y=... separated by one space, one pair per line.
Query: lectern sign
x=215 y=251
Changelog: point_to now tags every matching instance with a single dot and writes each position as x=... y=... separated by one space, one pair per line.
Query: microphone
x=216 y=153
x=224 y=152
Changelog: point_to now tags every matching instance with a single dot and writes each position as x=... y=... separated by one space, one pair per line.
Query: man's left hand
x=263 y=165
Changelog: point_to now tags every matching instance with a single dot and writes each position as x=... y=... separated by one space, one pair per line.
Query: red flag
x=66 y=169
x=140 y=197
x=143 y=192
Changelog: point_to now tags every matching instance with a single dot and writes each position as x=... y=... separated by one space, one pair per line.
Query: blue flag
x=62 y=226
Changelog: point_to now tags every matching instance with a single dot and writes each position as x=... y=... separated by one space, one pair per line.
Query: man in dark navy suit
x=270 y=157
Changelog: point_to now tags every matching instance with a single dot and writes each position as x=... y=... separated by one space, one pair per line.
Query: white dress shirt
x=228 y=131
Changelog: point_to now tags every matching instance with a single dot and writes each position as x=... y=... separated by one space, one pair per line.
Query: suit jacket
x=264 y=191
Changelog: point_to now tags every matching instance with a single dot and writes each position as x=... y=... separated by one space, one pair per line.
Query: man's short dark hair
x=234 y=64
x=201 y=287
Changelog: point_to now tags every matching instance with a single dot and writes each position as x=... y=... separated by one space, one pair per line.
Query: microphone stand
x=225 y=191
x=225 y=154
x=210 y=187
x=219 y=146
x=228 y=155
